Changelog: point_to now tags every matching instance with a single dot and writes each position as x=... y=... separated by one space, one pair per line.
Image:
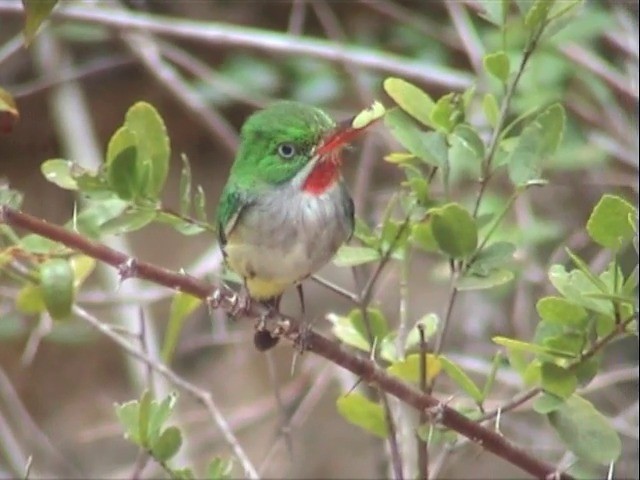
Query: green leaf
x=37 y=11
x=495 y=11
x=152 y=145
x=460 y=378
x=547 y=403
x=585 y=431
x=467 y=149
x=422 y=236
x=182 y=305
x=493 y=278
x=95 y=214
x=29 y=299
x=497 y=64
x=541 y=351
x=561 y=311
x=185 y=187
x=428 y=148
x=408 y=369
x=56 y=282
x=200 y=204
x=537 y=14
x=454 y=230
x=82 y=266
x=492 y=256
x=351 y=329
x=362 y=412
x=167 y=445
x=557 y=380
x=129 y=221
x=144 y=415
x=609 y=224
x=219 y=469
x=410 y=98
x=159 y=413
x=538 y=140
x=576 y=286
x=36 y=244
x=128 y=413
x=349 y=256
x=122 y=164
x=429 y=322
x=491 y=109
x=58 y=172
x=445 y=115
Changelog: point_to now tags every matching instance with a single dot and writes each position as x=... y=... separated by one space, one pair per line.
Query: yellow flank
x=264 y=289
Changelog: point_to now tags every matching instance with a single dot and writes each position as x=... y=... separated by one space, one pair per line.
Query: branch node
x=127 y=269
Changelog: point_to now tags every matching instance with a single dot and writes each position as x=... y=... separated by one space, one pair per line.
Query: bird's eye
x=286 y=150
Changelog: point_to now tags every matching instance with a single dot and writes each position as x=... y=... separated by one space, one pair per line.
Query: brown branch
x=290 y=329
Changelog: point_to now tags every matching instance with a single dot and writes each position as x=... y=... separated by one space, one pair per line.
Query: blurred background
x=73 y=86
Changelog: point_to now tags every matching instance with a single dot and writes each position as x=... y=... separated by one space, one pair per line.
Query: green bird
x=285 y=209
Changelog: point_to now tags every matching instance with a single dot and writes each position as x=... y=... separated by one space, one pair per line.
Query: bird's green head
x=279 y=141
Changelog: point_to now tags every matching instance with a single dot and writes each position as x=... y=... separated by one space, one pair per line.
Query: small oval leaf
x=56 y=282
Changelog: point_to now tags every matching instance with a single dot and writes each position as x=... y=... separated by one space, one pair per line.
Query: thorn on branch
x=127 y=269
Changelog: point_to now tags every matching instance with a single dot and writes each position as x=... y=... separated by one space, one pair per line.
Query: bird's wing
x=232 y=204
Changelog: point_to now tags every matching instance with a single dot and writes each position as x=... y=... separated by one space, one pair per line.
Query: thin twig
x=240 y=35
x=423 y=446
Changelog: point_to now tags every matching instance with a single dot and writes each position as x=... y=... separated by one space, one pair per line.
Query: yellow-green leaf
x=37 y=11
x=8 y=112
x=182 y=305
x=410 y=98
x=609 y=224
x=454 y=229
x=408 y=369
x=497 y=64
x=359 y=410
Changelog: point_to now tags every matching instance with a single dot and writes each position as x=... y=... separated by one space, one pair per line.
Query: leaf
x=182 y=305
x=219 y=469
x=349 y=256
x=152 y=145
x=144 y=415
x=467 y=144
x=200 y=205
x=576 y=286
x=29 y=299
x=460 y=378
x=9 y=114
x=495 y=11
x=585 y=431
x=557 y=380
x=408 y=369
x=609 y=224
x=538 y=140
x=454 y=230
x=37 y=12
x=167 y=445
x=56 y=282
x=362 y=412
x=561 y=311
x=416 y=141
x=185 y=187
x=497 y=64
x=491 y=109
x=159 y=413
x=430 y=323
x=351 y=329
x=82 y=266
x=543 y=352
x=445 y=114
x=493 y=278
x=122 y=164
x=410 y=98
x=58 y=172
x=422 y=236
x=537 y=14
x=128 y=414
x=129 y=221
x=367 y=116
x=89 y=221
x=492 y=256
x=547 y=403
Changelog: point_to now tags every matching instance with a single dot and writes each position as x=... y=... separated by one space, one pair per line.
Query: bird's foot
x=241 y=303
x=301 y=342
x=263 y=338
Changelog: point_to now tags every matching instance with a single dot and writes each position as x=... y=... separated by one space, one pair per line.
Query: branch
x=289 y=328
x=226 y=34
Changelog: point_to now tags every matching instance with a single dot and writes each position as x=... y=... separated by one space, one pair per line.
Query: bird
x=285 y=209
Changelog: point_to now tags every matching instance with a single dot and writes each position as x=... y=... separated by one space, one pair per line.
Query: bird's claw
x=263 y=338
x=240 y=303
x=301 y=342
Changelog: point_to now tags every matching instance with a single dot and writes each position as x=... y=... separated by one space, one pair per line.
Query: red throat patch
x=323 y=175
